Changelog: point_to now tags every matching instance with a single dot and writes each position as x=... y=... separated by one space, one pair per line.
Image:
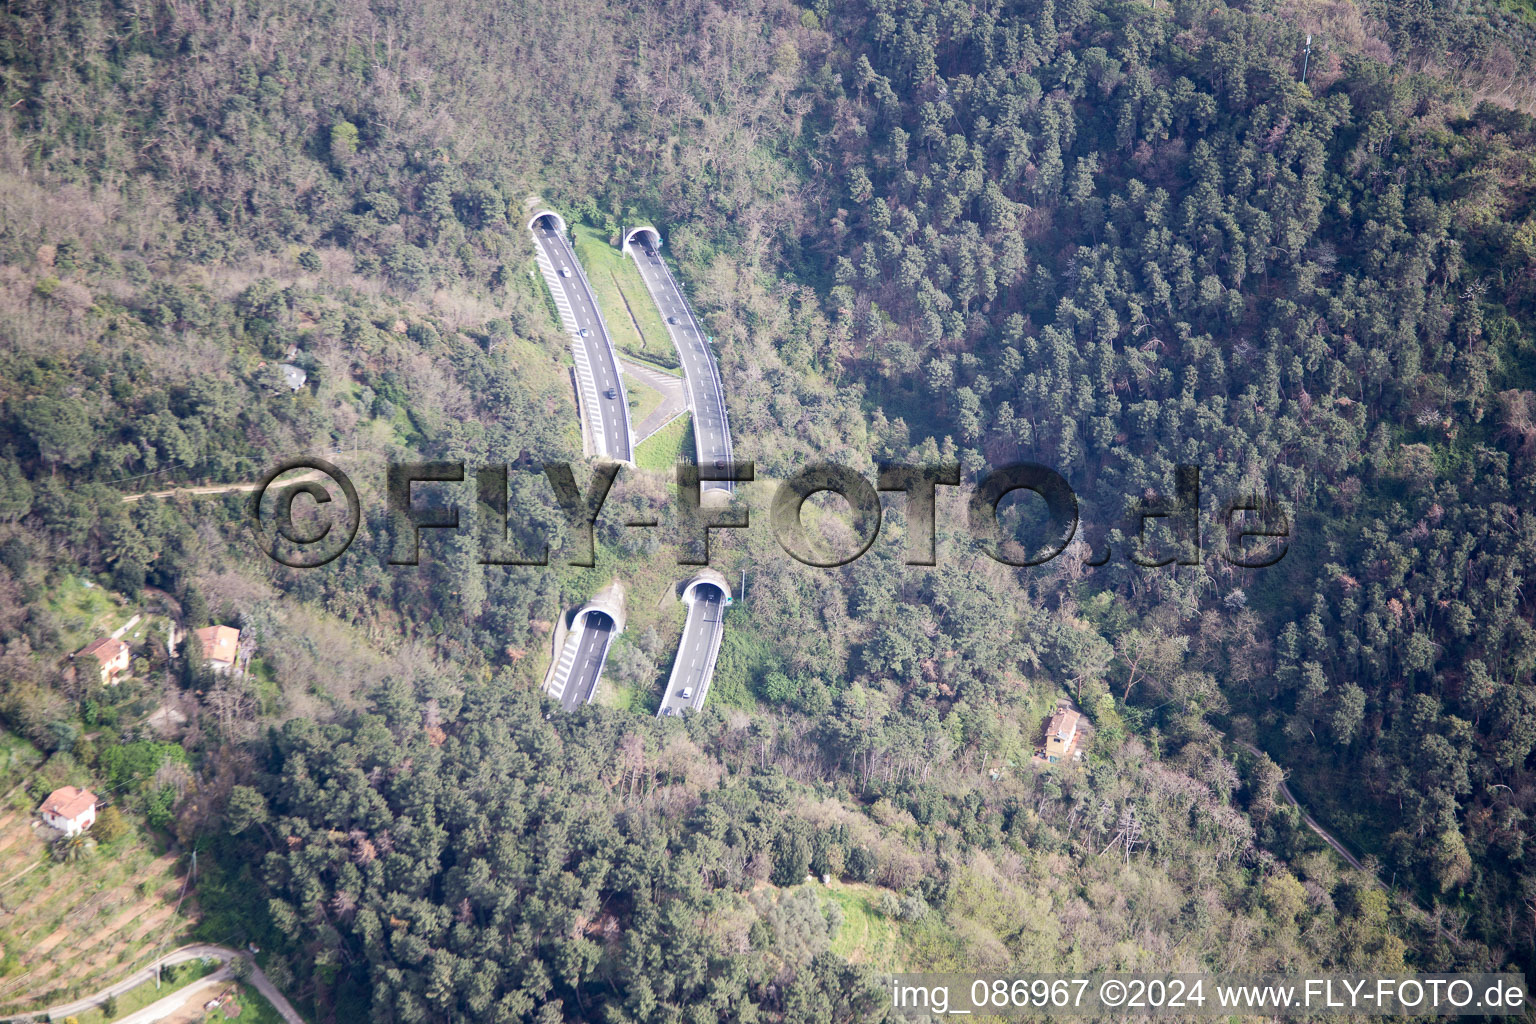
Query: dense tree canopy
x=1113 y=238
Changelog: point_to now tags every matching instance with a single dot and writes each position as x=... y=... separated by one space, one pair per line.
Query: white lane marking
x=567 y=660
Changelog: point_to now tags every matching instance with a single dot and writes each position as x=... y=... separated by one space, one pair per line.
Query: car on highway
x=719 y=463
x=611 y=393
x=651 y=253
x=565 y=271
x=672 y=320
x=586 y=332
x=687 y=693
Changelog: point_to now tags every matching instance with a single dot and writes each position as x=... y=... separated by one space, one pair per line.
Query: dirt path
x=1312 y=824
x=250 y=485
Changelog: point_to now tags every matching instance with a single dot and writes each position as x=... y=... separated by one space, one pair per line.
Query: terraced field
x=72 y=928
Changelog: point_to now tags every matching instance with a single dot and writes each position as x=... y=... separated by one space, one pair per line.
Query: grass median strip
x=633 y=320
x=662 y=450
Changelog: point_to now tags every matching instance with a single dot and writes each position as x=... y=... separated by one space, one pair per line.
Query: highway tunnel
x=593 y=618
x=644 y=237
x=707 y=584
x=547 y=219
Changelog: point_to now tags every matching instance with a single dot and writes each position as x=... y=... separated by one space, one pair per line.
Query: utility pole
x=1305 y=58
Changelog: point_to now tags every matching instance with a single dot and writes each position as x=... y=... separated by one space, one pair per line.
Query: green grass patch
x=143 y=995
x=668 y=368
x=637 y=698
x=643 y=399
x=742 y=663
x=268 y=692
x=662 y=450
x=633 y=320
x=1525 y=8
x=629 y=698
x=85 y=611
x=866 y=936
x=536 y=366
x=545 y=373
x=18 y=759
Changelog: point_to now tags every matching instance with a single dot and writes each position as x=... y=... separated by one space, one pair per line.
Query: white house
x=1061 y=735
x=70 y=809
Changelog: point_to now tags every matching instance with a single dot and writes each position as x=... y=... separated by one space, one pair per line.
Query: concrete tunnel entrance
x=547 y=218
x=595 y=618
x=706 y=581
x=645 y=236
x=608 y=603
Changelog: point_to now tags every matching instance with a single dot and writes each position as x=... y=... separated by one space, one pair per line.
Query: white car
x=585 y=333
x=687 y=694
x=565 y=271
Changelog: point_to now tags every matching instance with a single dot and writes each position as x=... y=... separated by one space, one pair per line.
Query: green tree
x=343 y=142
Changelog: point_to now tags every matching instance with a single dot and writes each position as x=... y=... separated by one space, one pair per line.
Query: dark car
x=719 y=463
x=671 y=319
x=611 y=393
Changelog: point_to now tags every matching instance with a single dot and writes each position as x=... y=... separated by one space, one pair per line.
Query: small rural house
x=70 y=809
x=221 y=647
x=109 y=656
x=293 y=376
x=1061 y=735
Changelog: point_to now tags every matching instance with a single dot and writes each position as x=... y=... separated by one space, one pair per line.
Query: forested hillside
x=1112 y=238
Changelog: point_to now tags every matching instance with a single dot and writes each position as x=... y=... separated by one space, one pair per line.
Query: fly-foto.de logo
x=1254 y=529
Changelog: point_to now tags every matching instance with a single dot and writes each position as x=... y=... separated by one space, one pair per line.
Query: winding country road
x=1312 y=824
x=198 y=951
x=1339 y=848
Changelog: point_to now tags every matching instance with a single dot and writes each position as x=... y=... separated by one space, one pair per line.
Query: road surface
x=1310 y=821
x=711 y=431
x=257 y=980
x=694 y=666
x=581 y=661
x=597 y=365
x=196 y=994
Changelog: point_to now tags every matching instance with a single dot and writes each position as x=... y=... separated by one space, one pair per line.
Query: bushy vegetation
x=1112 y=238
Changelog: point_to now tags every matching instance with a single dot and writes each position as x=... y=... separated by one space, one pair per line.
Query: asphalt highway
x=711 y=432
x=613 y=412
x=591 y=652
x=696 y=652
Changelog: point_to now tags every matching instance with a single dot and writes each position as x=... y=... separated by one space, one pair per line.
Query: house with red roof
x=110 y=657
x=221 y=647
x=70 y=809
